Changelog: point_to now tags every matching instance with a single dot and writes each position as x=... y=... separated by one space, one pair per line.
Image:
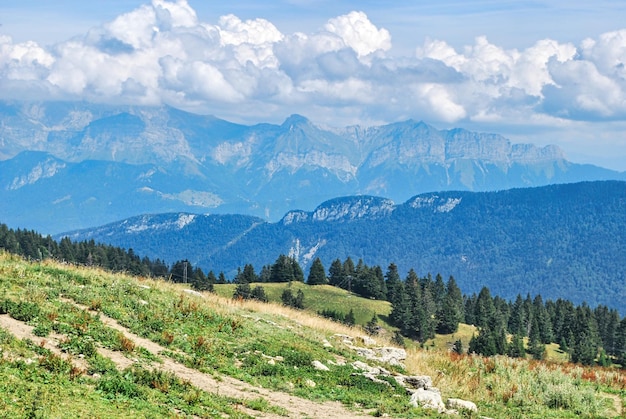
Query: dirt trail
x=223 y=386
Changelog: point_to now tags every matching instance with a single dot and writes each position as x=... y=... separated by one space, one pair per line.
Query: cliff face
x=122 y=161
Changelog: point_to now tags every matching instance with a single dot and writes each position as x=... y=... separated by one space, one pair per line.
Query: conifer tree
x=336 y=275
x=258 y=293
x=393 y=282
x=317 y=273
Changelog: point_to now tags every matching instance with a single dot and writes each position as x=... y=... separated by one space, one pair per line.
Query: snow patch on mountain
x=367 y=207
x=43 y=170
x=435 y=202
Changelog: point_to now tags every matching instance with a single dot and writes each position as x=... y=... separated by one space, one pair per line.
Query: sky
x=541 y=72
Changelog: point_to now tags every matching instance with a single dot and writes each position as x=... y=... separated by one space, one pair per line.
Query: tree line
x=421 y=306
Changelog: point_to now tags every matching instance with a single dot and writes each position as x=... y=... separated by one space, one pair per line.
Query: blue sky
x=546 y=72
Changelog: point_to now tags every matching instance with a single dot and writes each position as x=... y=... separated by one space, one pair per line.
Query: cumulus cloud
x=162 y=53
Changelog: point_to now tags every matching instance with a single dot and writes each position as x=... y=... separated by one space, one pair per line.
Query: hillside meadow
x=83 y=342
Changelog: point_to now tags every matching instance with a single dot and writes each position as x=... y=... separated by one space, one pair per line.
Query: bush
x=114 y=384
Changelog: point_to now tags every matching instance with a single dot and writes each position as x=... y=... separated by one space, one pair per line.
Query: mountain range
x=72 y=165
x=563 y=240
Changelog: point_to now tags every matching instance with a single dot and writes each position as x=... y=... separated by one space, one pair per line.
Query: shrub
x=114 y=384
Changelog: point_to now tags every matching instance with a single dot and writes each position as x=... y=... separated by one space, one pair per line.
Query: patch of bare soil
x=223 y=386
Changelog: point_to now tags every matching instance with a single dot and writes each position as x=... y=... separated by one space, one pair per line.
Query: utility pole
x=185 y=272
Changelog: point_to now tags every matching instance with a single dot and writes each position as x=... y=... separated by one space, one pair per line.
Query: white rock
x=368 y=341
x=310 y=383
x=319 y=366
x=461 y=405
x=427 y=399
x=193 y=292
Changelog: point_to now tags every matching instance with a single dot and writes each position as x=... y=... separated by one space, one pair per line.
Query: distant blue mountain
x=68 y=165
x=564 y=240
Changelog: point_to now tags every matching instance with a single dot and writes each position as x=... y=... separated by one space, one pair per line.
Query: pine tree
x=317 y=273
x=258 y=293
x=282 y=270
x=242 y=291
x=585 y=347
x=336 y=276
x=221 y=278
x=516 y=348
x=298 y=302
x=248 y=274
x=517 y=318
x=535 y=346
x=620 y=343
x=287 y=297
x=393 y=282
x=450 y=313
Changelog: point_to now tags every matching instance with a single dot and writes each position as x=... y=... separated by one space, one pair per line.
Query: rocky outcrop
x=420 y=387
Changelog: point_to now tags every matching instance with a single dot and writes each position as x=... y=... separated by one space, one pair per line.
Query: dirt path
x=223 y=386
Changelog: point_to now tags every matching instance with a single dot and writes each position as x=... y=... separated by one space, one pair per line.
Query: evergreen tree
x=517 y=318
x=298 y=273
x=450 y=313
x=298 y=302
x=585 y=347
x=427 y=330
x=317 y=273
x=400 y=315
x=266 y=273
x=287 y=297
x=242 y=291
x=393 y=282
x=248 y=275
x=282 y=270
x=484 y=308
x=336 y=276
x=469 y=309
x=438 y=291
x=221 y=278
x=516 y=348
x=535 y=346
x=543 y=320
x=349 y=273
x=258 y=293
x=620 y=343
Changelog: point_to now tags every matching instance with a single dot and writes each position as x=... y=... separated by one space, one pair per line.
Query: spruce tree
x=336 y=276
x=317 y=273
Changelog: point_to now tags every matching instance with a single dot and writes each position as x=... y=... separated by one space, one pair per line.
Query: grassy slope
x=220 y=336
x=323 y=297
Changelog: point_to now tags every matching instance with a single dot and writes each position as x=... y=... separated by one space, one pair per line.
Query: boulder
x=427 y=399
x=459 y=404
x=319 y=366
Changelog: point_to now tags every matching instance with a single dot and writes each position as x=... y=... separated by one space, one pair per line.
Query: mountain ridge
x=166 y=159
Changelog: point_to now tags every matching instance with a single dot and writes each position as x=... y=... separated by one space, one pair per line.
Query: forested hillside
x=557 y=241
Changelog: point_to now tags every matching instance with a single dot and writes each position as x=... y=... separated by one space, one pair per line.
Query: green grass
x=323 y=297
x=219 y=335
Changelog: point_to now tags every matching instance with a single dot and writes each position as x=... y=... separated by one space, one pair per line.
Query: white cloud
x=161 y=53
x=359 y=33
